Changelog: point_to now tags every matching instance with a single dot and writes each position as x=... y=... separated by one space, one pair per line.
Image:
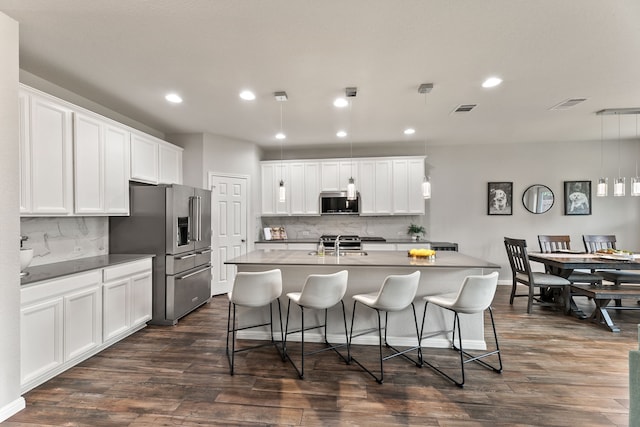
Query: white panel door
x=229 y=214
x=82 y=321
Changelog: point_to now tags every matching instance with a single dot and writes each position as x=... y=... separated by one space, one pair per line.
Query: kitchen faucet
x=336 y=246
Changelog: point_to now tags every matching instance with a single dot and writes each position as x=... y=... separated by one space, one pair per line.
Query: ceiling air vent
x=568 y=103
x=464 y=108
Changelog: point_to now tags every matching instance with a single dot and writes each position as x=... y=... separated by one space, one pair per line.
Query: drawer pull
x=186 y=256
x=194 y=273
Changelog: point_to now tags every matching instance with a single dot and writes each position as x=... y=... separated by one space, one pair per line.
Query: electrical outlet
x=77 y=250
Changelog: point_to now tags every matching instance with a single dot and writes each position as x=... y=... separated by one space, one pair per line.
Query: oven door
x=187 y=290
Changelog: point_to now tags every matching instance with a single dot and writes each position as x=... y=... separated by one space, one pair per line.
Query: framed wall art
x=577 y=197
x=500 y=198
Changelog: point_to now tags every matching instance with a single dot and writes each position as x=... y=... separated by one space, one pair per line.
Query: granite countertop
x=58 y=269
x=444 y=259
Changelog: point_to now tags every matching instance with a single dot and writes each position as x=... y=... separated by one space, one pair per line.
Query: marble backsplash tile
x=55 y=239
x=313 y=227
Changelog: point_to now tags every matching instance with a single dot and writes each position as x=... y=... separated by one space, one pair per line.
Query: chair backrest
x=256 y=288
x=398 y=291
x=476 y=293
x=594 y=242
x=324 y=290
x=518 y=257
x=550 y=244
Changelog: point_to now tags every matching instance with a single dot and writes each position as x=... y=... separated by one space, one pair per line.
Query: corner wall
x=10 y=400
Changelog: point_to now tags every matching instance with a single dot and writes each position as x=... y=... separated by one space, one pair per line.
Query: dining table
x=563 y=263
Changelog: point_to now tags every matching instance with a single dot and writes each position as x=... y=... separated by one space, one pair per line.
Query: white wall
x=10 y=400
x=192 y=158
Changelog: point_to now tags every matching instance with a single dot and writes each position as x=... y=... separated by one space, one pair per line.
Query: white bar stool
x=396 y=294
x=319 y=292
x=474 y=296
x=254 y=289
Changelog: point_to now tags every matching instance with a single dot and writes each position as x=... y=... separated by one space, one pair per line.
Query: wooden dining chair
x=522 y=274
x=595 y=242
x=556 y=243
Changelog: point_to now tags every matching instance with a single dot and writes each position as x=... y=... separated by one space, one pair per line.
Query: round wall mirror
x=538 y=199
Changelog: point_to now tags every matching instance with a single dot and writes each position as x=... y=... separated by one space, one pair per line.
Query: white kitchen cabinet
x=66 y=320
x=375 y=186
x=304 y=188
x=127 y=298
x=48 y=178
x=101 y=180
x=407 y=181
x=170 y=163
x=83 y=320
x=24 y=153
x=271 y=174
x=335 y=174
x=41 y=339
x=144 y=158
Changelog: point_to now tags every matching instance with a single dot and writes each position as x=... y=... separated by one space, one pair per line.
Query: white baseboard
x=12 y=408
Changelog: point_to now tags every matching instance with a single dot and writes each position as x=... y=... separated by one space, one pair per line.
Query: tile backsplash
x=56 y=239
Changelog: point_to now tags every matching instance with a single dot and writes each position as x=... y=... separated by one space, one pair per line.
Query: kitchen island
x=443 y=274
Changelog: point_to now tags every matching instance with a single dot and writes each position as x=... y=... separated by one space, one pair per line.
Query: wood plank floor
x=559 y=371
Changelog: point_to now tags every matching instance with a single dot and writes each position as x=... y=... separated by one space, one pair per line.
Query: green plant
x=415 y=229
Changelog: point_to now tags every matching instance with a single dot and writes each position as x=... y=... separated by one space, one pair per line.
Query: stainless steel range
x=347 y=242
x=174 y=223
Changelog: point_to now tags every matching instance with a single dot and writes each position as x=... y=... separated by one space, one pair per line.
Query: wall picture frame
x=500 y=198
x=577 y=197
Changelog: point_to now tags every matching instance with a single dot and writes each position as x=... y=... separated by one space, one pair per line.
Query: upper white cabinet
x=46 y=161
x=101 y=167
x=271 y=175
x=335 y=174
x=407 y=182
x=144 y=158
x=387 y=185
x=154 y=161
x=76 y=162
x=304 y=188
x=374 y=186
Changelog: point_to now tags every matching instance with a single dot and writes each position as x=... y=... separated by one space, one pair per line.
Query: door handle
x=243 y=241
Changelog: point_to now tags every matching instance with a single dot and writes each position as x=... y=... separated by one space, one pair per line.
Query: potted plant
x=415 y=231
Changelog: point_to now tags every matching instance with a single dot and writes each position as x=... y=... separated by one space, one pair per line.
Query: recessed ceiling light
x=247 y=95
x=340 y=102
x=341 y=134
x=492 y=82
x=280 y=135
x=409 y=131
x=174 y=98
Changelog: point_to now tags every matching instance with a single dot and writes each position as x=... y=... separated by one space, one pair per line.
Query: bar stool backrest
x=322 y=291
x=476 y=293
x=398 y=291
x=256 y=288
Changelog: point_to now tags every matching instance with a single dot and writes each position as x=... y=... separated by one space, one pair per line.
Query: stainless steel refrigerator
x=174 y=223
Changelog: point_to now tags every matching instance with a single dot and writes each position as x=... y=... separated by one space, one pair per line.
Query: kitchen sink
x=342 y=253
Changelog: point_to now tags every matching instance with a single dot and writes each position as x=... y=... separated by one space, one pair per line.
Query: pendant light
x=619 y=183
x=425 y=88
x=352 y=193
x=282 y=191
x=635 y=181
x=602 y=189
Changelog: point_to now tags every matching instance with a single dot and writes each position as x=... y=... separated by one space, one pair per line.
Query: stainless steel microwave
x=336 y=203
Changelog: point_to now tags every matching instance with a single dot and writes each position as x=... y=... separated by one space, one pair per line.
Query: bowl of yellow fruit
x=422 y=253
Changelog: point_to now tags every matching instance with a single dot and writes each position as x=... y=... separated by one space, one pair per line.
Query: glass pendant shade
x=635 y=186
x=351 y=189
x=602 y=189
x=426 y=188
x=282 y=192
x=619 y=186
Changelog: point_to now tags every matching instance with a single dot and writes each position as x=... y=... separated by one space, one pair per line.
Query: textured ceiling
x=126 y=54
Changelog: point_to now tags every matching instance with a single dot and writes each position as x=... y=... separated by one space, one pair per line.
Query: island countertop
x=444 y=259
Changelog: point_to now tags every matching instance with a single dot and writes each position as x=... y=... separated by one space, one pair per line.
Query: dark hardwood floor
x=559 y=371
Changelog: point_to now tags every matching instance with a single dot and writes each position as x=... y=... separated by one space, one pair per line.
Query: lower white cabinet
x=66 y=320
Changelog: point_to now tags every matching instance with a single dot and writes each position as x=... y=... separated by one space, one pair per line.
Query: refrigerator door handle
x=194 y=273
x=192 y=219
x=199 y=219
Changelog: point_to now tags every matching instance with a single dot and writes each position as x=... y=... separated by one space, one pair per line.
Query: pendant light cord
x=281 y=151
x=601 y=145
x=619 y=146
x=350 y=136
